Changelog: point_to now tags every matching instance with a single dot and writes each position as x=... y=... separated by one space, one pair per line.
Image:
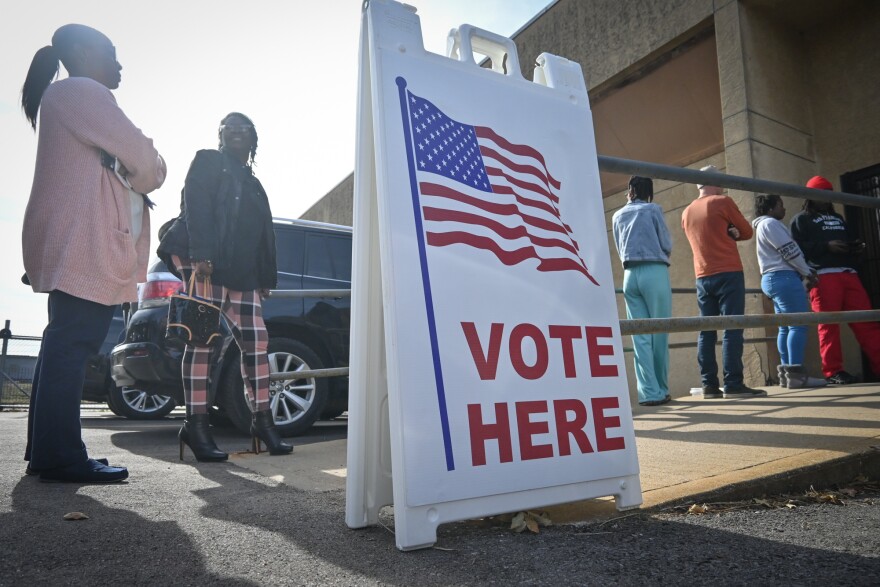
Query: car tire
x=336 y=405
x=135 y=404
x=295 y=403
x=113 y=408
x=332 y=414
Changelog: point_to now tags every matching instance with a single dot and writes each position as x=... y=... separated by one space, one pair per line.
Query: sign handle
x=463 y=41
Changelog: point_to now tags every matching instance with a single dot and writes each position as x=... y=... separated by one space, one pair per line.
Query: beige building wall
x=797 y=94
x=846 y=100
x=336 y=207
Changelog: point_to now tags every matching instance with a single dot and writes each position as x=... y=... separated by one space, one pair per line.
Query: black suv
x=123 y=401
x=304 y=333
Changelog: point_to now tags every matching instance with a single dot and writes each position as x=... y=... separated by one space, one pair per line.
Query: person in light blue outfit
x=644 y=246
x=783 y=267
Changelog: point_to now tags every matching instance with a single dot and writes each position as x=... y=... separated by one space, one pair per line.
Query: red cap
x=820 y=183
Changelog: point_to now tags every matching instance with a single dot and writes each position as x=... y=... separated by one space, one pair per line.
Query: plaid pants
x=244 y=313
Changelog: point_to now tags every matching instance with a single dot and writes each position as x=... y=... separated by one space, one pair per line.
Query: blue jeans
x=722 y=294
x=76 y=329
x=648 y=295
x=788 y=294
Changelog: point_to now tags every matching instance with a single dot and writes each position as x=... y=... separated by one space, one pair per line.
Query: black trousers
x=76 y=329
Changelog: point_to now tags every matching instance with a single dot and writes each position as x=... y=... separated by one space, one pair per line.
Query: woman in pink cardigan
x=85 y=237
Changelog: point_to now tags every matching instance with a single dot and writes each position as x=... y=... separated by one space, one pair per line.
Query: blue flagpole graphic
x=426 y=279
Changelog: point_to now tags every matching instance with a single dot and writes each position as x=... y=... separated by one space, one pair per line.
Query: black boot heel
x=196 y=434
x=255 y=444
x=263 y=428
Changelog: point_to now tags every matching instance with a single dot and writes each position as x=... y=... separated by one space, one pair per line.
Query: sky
x=290 y=65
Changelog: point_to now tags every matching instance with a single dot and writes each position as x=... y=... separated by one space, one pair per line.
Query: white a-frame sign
x=487 y=369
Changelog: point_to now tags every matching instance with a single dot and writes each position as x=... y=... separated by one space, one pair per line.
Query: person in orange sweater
x=713 y=224
x=86 y=235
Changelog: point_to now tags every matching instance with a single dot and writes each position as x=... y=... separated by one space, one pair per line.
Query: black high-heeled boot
x=196 y=434
x=263 y=428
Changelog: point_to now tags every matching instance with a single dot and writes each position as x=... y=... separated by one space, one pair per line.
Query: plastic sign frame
x=487 y=367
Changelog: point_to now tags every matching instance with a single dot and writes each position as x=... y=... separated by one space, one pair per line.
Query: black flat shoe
x=90 y=471
x=30 y=471
x=656 y=402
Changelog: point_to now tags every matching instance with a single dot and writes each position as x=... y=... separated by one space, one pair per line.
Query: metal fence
x=17 y=362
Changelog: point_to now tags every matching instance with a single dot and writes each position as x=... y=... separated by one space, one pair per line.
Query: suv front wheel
x=295 y=403
x=136 y=404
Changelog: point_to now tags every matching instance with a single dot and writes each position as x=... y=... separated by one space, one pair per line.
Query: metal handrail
x=346 y=293
x=699 y=323
x=627 y=327
x=737 y=182
x=693 y=290
x=308 y=374
x=719 y=342
x=310 y=293
x=688 y=324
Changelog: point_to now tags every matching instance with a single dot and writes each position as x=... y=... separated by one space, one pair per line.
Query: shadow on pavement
x=634 y=549
x=114 y=546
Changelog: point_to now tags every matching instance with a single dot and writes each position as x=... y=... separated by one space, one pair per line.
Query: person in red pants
x=829 y=247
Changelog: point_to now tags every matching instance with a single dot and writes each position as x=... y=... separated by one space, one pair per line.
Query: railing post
x=4 y=334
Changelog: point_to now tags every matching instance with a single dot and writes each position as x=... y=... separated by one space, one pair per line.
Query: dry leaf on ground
x=518 y=523
x=530 y=520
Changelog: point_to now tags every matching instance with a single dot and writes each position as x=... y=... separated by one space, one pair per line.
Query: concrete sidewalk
x=691 y=448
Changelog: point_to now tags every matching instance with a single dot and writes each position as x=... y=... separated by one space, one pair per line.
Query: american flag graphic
x=480 y=190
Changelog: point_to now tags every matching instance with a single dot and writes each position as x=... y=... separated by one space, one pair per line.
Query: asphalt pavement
x=261 y=520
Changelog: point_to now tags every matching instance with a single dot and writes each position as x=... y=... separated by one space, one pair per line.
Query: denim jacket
x=640 y=233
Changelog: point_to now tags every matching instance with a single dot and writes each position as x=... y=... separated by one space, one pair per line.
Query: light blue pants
x=788 y=294
x=648 y=295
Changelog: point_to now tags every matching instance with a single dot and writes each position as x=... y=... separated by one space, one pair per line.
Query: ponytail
x=43 y=70
x=44 y=67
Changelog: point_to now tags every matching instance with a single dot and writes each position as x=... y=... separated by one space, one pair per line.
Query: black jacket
x=225 y=218
x=812 y=232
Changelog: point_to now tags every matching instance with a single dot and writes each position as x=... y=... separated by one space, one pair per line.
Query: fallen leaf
x=529 y=520
x=763 y=502
x=698 y=509
x=518 y=523
x=542 y=519
x=830 y=498
x=75 y=516
x=790 y=505
x=531 y=524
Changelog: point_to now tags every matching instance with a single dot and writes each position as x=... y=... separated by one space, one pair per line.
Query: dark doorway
x=865 y=223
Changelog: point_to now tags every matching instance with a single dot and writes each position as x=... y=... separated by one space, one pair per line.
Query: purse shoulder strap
x=191 y=286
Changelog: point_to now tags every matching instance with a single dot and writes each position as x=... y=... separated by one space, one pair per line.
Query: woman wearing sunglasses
x=224 y=235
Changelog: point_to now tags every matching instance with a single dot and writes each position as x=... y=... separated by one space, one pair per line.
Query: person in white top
x=784 y=273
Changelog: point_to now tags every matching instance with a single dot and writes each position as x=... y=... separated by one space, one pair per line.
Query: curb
x=820 y=475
